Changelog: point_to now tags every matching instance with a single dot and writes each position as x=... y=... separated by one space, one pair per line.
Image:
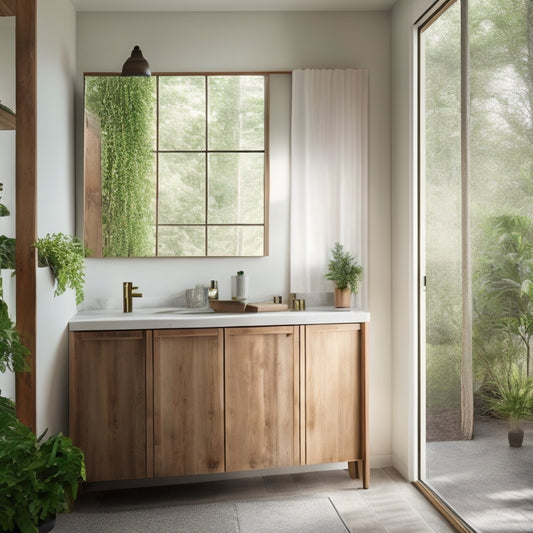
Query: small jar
x=213 y=290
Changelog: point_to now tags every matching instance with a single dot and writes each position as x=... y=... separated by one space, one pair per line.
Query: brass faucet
x=128 y=295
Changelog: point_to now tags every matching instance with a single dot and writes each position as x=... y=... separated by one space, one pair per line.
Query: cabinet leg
x=353 y=470
x=360 y=470
x=365 y=473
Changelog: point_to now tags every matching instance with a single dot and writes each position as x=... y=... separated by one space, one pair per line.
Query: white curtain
x=329 y=173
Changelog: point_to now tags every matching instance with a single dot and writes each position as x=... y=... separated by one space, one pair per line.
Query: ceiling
x=232 y=5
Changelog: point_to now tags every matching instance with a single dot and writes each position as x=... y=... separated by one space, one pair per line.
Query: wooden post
x=26 y=202
x=467 y=380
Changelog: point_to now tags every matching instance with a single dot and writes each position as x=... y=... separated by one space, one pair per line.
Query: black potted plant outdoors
x=510 y=396
x=346 y=272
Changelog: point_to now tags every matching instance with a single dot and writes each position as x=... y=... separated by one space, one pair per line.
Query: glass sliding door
x=476 y=256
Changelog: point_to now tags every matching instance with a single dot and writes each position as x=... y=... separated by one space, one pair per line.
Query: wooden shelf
x=8 y=121
x=8 y=8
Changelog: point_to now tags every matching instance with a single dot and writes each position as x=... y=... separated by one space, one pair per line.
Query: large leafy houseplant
x=346 y=272
x=38 y=478
x=64 y=255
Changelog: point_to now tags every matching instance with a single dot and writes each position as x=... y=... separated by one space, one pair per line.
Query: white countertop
x=169 y=318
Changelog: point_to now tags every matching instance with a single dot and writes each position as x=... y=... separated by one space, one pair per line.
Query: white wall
x=404 y=235
x=258 y=42
x=7 y=167
x=56 y=41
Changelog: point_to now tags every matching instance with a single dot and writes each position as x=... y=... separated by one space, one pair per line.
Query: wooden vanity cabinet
x=192 y=401
x=262 y=372
x=188 y=402
x=108 y=373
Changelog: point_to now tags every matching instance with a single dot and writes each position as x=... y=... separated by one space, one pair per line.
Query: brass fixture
x=128 y=291
x=136 y=65
x=298 y=304
x=213 y=290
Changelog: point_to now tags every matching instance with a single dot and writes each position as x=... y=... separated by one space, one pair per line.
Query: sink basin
x=184 y=311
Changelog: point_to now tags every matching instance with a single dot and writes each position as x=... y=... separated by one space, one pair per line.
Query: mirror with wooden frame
x=176 y=165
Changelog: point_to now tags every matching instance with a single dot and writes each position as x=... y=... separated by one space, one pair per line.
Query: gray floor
x=486 y=481
x=390 y=505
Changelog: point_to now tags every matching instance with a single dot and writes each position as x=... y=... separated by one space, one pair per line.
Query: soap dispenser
x=239 y=287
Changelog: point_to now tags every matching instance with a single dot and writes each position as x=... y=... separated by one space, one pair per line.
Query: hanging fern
x=125 y=108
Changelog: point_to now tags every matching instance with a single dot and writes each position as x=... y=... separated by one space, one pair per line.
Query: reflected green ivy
x=125 y=108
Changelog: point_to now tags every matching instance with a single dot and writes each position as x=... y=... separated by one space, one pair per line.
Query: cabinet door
x=188 y=402
x=107 y=386
x=333 y=427
x=262 y=397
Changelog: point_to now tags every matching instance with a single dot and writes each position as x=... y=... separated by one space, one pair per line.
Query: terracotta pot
x=343 y=297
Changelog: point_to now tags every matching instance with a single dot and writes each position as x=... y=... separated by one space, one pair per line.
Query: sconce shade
x=136 y=65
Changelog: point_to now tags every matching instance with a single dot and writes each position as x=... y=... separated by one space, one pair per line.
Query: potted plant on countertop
x=38 y=478
x=346 y=272
x=510 y=396
x=64 y=255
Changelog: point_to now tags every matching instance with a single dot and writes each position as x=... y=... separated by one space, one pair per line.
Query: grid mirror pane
x=236 y=188
x=182 y=112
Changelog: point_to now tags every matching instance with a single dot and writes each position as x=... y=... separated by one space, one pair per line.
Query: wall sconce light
x=136 y=65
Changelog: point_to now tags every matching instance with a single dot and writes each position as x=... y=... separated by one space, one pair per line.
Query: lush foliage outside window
x=183 y=172
x=501 y=185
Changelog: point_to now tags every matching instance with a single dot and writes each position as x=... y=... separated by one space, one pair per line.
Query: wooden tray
x=265 y=307
x=227 y=306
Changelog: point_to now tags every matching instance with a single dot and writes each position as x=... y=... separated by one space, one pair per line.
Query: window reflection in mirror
x=176 y=165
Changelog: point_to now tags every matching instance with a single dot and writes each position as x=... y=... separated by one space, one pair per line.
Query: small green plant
x=64 y=255
x=344 y=269
x=38 y=479
x=510 y=394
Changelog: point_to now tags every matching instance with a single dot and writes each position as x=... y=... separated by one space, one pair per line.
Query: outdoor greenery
x=344 y=269
x=510 y=394
x=64 y=255
x=202 y=193
x=501 y=200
